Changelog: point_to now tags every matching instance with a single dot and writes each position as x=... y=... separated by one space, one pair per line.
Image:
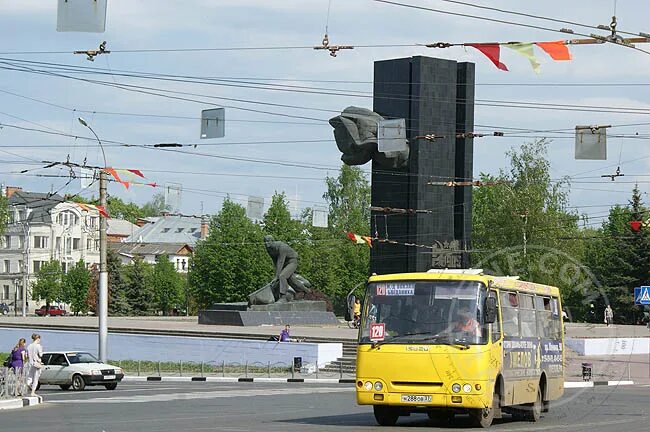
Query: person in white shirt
x=34 y=353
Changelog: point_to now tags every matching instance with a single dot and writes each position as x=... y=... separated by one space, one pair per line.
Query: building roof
x=40 y=205
x=120 y=227
x=156 y=249
x=169 y=229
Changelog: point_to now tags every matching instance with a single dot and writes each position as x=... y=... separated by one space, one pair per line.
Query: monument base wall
x=266 y=317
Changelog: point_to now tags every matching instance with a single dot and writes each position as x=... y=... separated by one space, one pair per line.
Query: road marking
x=167 y=397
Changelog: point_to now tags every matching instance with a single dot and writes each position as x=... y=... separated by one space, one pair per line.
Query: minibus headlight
x=455 y=388
x=378 y=386
x=467 y=388
x=368 y=385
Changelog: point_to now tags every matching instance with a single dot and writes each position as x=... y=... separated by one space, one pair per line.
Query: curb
x=567 y=384
x=584 y=384
x=235 y=379
x=20 y=403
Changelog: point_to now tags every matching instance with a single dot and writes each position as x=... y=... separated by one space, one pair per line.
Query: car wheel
x=65 y=386
x=111 y=386
x=78 y=383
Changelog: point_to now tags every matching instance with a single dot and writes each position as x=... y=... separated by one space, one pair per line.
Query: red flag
x=558 y=50
x=635 y=225
x=116 y=176
x=102 y=211
x=491 y=51
x=136 y=172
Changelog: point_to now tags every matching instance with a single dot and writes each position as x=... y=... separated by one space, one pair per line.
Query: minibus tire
x=534 y=412
x=483 y=419
x=385 y=415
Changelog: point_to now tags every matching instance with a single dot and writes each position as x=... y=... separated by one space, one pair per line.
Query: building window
x=183 y=264
x=89 y=245
x=7 y=242
x=40 y=242
x=64 y=267
x=179 y=230
x=21 y=215
x=20 y=266
x=21 y=242
x=67 y=218
x=96 y=244
x=5 y=292
x=38 y=265
x=6 y=268
x=165 y=230
x=76 y=243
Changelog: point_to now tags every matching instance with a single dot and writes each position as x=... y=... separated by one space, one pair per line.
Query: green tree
x=277 y=221
x=139 y=292
x=620 y=259
x=333 y=263
x=348 y=197
x=521 y=219
x=47 y=286
x=4 y=214
x=231 y=262
x=156 y=206
x=117 y=286
x=166 y=285
x=76 y=284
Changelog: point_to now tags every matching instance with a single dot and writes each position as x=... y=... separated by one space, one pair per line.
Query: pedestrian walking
x=19 y=356
x=34 y=354
x=609 y=315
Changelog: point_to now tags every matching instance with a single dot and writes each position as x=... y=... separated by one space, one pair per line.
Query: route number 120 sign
x=377 y=332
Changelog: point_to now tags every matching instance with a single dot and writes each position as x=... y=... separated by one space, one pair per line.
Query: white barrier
x=123 y=346
x=609 y=346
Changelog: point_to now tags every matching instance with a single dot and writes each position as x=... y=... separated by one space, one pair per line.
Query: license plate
x=416 y=398
x=107 y=377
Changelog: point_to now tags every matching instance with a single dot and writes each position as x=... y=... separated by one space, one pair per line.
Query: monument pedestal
x=303 y=312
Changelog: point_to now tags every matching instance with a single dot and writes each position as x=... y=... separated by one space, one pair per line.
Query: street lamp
x=102 y=306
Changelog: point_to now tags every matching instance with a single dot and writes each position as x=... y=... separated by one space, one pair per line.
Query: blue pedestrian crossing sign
x=642 y=295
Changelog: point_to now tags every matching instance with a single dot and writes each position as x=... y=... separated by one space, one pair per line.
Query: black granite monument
x=435 y=96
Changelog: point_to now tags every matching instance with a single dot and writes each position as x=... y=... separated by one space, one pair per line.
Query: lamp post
x=102 y=306
x=16 y=282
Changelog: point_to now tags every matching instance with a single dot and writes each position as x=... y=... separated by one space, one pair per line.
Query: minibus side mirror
x=490 y=310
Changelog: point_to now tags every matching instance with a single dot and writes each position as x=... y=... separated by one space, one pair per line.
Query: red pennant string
x=558 y=50
x=492 y=52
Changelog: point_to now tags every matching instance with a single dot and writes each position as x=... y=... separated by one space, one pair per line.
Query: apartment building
x=43 y=227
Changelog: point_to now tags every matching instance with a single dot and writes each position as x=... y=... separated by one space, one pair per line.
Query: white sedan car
x=78 y=370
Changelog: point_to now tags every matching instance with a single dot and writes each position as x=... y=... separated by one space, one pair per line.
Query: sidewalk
x=176 y=325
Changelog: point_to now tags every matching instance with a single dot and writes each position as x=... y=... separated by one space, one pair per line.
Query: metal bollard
x=246 y=369
x=292 y=370
x=223 y=368
x=180 y=367
x=268 y=369
x=159 y=374
x=201 y=368
x=341 y=369
x=138 y=367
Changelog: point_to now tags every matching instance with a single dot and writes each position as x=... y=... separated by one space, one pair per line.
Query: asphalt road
x=187 y=407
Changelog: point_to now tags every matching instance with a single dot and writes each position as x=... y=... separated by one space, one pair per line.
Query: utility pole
x=103 y=274
x=102 y=303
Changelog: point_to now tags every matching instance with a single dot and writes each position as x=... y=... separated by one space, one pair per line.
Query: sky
x=599 y=75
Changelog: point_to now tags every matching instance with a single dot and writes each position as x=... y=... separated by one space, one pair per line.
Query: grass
x=147 y=366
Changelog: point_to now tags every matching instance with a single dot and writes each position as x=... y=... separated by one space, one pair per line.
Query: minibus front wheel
x=386 y=415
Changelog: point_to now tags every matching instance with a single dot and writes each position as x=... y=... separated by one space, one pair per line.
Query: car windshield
x=81 y=357
x=431 y=312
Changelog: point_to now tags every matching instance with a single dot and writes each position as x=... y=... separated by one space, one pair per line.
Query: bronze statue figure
x=286 y=282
